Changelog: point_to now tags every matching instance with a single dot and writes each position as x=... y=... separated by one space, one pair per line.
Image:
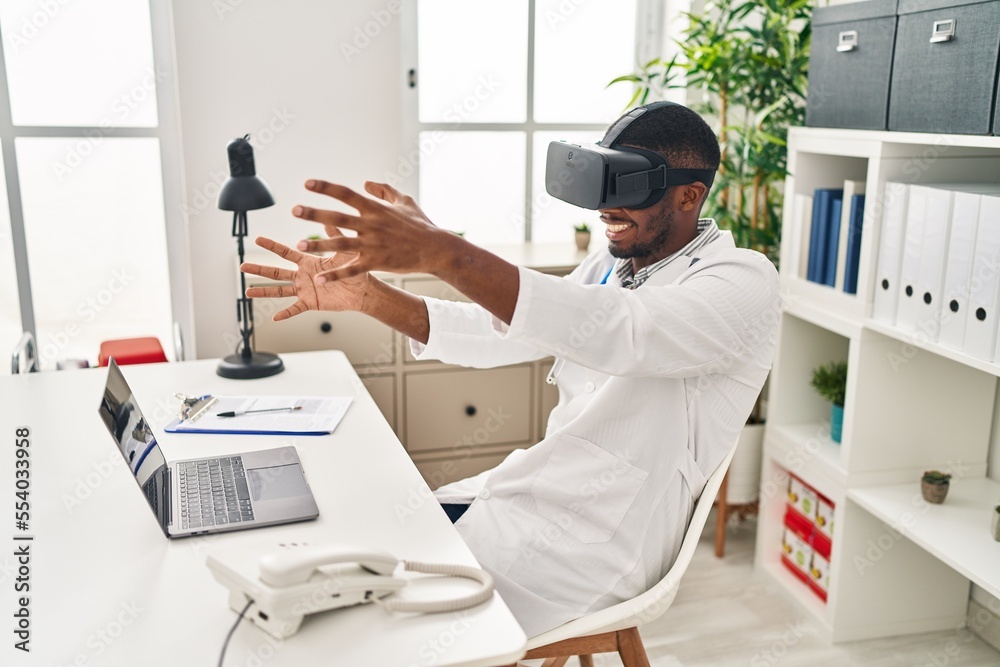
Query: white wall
x=277 y=71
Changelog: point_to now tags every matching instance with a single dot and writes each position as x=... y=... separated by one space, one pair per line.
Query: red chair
x=132 y=351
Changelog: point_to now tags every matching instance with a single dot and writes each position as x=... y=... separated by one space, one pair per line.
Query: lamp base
x=259 y=365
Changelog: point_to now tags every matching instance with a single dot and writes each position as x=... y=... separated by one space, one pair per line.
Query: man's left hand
x=393 y=234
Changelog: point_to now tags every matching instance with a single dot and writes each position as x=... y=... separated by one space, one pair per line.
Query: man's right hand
x=340 y=295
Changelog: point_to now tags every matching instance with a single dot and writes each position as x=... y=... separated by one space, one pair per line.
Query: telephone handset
x=295 y=579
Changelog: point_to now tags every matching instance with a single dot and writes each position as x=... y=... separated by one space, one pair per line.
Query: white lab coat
x=656 y=386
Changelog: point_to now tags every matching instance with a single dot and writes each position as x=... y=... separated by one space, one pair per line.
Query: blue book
x=833 y=238
x=815 y=269
x=854 y=244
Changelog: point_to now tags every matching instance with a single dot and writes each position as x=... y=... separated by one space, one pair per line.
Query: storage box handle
x=848 y=41
x=943 y=31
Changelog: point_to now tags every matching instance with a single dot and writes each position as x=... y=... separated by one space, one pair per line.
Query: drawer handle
x=943 y=31
x=326 y=327
x=848 y=41
x=470 y=410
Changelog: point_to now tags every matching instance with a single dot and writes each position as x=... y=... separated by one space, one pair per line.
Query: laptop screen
x=121 y=415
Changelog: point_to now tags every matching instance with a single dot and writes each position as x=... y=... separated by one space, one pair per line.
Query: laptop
x=205 y=495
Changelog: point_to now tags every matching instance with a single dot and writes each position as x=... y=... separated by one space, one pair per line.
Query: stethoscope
x=560 y=362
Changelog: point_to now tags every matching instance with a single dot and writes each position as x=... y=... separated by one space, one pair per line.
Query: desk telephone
x=294 y=579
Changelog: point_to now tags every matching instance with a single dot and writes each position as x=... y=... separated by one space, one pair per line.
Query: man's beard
x=661 y=228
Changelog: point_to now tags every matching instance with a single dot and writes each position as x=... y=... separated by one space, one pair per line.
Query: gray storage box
x=945 y=68
x=851 y=64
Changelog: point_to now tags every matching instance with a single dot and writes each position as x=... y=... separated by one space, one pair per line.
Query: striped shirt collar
x=708 y=231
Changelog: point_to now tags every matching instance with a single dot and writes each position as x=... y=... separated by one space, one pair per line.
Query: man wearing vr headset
x=662 y=342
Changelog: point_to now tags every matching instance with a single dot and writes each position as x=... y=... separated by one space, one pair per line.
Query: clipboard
x=260 y=415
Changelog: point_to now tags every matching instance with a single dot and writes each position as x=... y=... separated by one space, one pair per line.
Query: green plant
x=751 y=60
x=938 y=478
x=997 y=508
x=313 y=237
x=582 y=227
x=830 y=381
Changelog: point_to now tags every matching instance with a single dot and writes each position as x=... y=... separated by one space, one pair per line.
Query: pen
x=246 y=412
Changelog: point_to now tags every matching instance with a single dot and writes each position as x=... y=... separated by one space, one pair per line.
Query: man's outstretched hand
x=347 y=294
x=393 y=234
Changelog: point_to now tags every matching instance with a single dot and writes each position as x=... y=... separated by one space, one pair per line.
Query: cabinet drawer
x=383 y=390
x=478 y=407
x=438 y=472
x=364 y=341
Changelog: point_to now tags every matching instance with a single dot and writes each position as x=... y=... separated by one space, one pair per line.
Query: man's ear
x=692 y=196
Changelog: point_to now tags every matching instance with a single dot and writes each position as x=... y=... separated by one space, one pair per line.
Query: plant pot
x=934 y=493
x=582 y=240
x=836 y=422
x=996 y=525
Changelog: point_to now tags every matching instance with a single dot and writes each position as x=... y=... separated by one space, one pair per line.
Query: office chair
x=615 y=629
x=25 y=356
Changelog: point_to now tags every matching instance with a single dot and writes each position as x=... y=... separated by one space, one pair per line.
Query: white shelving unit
x=899 y=565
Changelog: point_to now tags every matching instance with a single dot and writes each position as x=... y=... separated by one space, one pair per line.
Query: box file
x=908 y=311
x=958 y=269
x=934 y=252
x=890 y=249
x=981 y=320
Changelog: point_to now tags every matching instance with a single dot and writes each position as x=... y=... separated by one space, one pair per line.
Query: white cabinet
x=898 y=565
x=454 y=422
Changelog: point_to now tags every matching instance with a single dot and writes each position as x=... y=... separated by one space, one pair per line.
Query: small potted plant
x=830 y=382
x=934 y=486
x=996 y=523
x=582 y=235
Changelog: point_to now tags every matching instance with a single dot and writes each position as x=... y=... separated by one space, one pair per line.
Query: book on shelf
x=848 y=222
x=802 y=218
x=824 y=233
x=855 y=234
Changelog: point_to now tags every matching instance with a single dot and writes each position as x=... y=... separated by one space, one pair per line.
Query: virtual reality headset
x=604 y=176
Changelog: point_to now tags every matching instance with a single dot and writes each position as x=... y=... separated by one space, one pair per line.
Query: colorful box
x=824 y=516
x=819 y=566
x=802 y=498
x=796 y=542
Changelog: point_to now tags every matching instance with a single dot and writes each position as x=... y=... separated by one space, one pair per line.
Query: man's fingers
x=355 y=268
x=271 y=272
x=327 y=218
x=383 y=191
x=279 y=249
x=293 y=310
x=271 y=291
x=341 y=192
x=338 y=244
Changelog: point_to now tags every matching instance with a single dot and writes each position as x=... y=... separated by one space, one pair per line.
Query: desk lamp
x=243 y=191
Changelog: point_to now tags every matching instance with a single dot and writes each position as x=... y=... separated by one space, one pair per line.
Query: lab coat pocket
x=584 y=489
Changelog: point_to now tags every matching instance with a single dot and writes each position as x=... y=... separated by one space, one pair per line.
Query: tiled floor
x=727 y=614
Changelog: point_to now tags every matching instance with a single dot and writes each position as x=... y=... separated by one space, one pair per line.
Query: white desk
x=107 y=588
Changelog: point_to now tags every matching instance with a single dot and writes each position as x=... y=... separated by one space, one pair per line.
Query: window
x=490 y=84
x=90 y=157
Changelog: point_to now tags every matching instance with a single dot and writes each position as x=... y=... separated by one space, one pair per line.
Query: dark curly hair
x=675 y=132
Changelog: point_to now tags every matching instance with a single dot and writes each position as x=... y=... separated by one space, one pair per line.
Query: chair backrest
x=653 y=603
x=25 y=356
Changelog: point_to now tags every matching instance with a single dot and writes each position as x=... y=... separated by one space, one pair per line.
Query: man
x=663 y=341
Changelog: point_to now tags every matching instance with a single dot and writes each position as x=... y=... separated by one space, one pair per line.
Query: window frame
x=166 y=131
x=658 y=23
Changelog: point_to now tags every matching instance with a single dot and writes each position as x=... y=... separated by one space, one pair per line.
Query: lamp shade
x=243 y=190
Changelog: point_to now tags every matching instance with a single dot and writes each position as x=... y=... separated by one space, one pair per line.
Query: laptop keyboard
x=214 y=492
